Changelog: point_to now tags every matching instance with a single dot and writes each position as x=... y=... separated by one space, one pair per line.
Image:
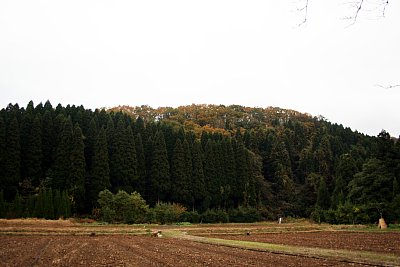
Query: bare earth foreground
x=62 y=243
x=136 y=251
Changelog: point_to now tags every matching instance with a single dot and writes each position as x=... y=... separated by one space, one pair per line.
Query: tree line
x=277 y=162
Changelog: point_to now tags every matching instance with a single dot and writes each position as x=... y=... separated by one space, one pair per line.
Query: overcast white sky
x=170 y=53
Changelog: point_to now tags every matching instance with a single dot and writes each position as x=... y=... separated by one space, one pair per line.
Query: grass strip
x=361 y=257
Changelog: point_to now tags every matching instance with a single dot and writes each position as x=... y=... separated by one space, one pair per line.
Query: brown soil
x=385 y=242
x=127 y=250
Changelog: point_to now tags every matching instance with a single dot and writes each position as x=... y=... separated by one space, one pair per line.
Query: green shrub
x=168 y=213
x=122 y=207
x=190 y=216
x=244 y=215
x=215 y=216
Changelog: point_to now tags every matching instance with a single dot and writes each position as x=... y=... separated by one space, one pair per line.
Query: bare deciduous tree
x=373 y=9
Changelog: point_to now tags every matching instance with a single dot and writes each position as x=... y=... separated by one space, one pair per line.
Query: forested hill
x=272 y=161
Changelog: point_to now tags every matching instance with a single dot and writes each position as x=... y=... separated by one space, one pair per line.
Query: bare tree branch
x=388 y=86
x=384 y=8
x=358 y=8
x=304 y=9
x=371 y=9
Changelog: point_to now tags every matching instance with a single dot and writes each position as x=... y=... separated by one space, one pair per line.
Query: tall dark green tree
x=123 y=161
x=65 y=205
x=57 y=204
x=229 y=182
x=160 y=169
x=34 y=156
x=60 y=172
x=2 y=205
x=48 y=204
x=3 y=151
x=17 y=206
x=77 y=169
x=13 y=158
x=198 y=187
x=188 y=158
x=210 y=174
x=48 y=141
x=282 y=180
x=324 y=159
x=40 y=200
x=131 y=165
x=179 y=176
x=90 y=140
x=25 y=134
x=323 y=200
x=345 y=171
x=373 y=184
x=140 y=184
x=100 y=178
x=396 y=188
x=242 y=174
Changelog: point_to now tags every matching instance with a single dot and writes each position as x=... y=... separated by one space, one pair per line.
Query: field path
x=340 y=255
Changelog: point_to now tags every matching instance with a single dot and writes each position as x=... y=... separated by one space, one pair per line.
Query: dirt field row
x=385 y=242
x=32 y=242
x=111 y=250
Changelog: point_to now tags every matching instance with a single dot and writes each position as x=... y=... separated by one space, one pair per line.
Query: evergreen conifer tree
x=241 y=172
x=65 y=205
x=17 y=205
x=39 y=205
x=210 y=174
x=283 y=184
x=118 y=174
x=77 y=170
x=48 y=140
x=229 y=171
x=179 y=178
x=3 y=154
x=34 y=156
x=62 y=165
x=396 y=188
x=25 y=134
x=48 y=207
x=90 y=140
x=131 y=163
x=323 y=200
x=13 y=158
x=160 y=169
x=141 y=165
x=2 y=205
x=198 y=187
x=101 y=170
x=57 y=204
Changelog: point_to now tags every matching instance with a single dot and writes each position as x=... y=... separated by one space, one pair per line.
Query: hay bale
x=382 y=224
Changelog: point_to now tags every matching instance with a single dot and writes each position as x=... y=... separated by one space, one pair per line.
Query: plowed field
x=68 y=243
x=365 y=241
x=124 y=250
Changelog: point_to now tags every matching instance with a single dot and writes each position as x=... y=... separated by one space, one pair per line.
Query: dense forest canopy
x=204 y=157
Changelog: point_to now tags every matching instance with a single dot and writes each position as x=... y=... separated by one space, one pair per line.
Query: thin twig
x=384 y=8
x=305 y=9
x=387 y=87
x=359 y=6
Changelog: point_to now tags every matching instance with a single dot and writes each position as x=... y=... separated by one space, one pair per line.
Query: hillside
x=272 y=161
